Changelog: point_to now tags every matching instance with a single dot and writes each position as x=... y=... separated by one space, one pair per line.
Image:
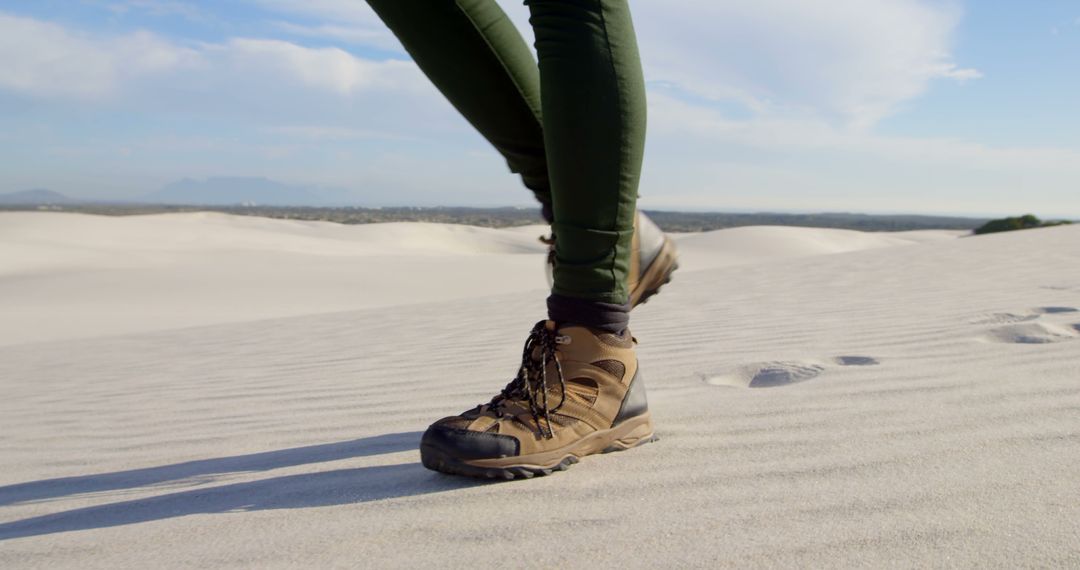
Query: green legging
x=572 y=127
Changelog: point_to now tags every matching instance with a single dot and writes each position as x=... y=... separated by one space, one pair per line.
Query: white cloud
x=961 y=75
x=348 y=21
x=324 y=69
x=358 y=35
x=337 y=11
x=672 y=120
x=699 y=158
x=44 y=59
x=329 y=133
x=240 y=89
x=850 y=61
x=157 y=8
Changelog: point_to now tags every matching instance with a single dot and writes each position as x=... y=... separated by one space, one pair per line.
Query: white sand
x=913 y=403
x=72 y=276
x=66 y=276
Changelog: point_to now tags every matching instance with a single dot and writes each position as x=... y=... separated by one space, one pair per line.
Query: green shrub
x=1025 y=222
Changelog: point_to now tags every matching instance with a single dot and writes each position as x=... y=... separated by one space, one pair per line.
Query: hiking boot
x=577 y=392
x=653 y=259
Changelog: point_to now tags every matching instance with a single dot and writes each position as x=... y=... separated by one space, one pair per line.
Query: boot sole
x=657 y=275
x=627 y=435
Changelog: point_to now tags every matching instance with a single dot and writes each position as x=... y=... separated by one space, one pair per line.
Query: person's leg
x=475 y=56
x=473 y=53
x=593 y=106
x=578 y=390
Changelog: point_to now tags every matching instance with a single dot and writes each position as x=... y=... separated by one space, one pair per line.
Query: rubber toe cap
x=466 y=444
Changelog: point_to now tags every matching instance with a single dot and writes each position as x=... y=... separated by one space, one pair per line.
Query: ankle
x=597 y=315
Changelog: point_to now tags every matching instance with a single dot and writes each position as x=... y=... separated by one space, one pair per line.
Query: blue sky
x=784 y=105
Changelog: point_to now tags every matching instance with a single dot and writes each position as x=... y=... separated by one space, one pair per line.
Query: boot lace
x=549 y=267
x=550 y=242
x=531 y=383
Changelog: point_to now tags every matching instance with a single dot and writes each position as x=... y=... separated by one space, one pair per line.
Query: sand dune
x=738 y=246
x=72 y=275
x=880 y=407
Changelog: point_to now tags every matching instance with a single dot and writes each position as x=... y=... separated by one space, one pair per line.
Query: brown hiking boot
x=653 y=259
x=578 y=392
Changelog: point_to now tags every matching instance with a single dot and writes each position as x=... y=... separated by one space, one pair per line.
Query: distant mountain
x=226 y=191
x=35 y=197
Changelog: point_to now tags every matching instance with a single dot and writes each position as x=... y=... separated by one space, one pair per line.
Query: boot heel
x=640 y=435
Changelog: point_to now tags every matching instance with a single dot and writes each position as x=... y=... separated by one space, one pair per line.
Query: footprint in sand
x=1061 y=287
x=1029 y=327
x=1032 y=333
x=856 y=361
x=781 y=372
x=1028 y=315
x=1056 y=310
x=1003 y=318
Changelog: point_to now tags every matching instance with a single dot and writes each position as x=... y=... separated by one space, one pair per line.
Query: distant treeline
x=1025 y=222
x=509 y=217
x=693 y=222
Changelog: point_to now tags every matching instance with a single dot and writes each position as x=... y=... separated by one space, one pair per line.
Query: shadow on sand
x=339 y=487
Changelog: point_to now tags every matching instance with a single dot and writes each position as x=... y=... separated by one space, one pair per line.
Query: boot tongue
x=581 y=344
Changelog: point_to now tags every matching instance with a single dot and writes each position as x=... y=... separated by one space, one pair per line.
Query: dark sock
x=608 y=317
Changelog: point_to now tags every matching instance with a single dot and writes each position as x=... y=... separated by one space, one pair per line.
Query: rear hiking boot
x=653 y=259
x=577 y=392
